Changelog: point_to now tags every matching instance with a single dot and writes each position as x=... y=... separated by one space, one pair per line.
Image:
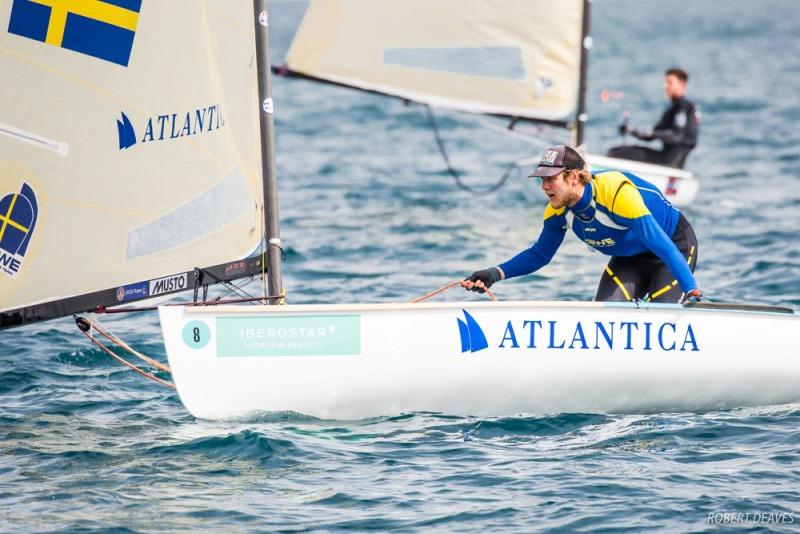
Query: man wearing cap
x=677 y=130
x=652 y=246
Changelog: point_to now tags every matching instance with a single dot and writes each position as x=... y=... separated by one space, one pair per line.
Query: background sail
x=517 y=58
x=129 y=144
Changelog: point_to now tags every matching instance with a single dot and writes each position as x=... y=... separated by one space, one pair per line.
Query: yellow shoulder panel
x=549 y=211
x=615 y=190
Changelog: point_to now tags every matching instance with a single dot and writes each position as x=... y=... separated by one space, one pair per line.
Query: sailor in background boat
x=652 y=246
x=677 y=129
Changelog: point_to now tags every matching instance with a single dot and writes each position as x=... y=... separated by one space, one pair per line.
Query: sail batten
x=463 y=55
x=134 y=132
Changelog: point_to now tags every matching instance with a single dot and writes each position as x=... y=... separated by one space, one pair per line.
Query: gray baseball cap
x=556 y=159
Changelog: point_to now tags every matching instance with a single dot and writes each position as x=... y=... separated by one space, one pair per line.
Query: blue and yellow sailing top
x=620 y=215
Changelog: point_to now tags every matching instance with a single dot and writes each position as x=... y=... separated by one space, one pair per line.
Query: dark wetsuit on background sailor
x=652 y=244
x=677 y=130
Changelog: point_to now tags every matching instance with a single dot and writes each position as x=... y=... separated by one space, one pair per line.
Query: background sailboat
x=523 y=60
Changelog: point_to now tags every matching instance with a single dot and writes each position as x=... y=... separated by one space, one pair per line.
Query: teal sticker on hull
x=196 y=334
x=314 y=335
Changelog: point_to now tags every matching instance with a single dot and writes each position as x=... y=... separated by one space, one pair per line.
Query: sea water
x=369 y=214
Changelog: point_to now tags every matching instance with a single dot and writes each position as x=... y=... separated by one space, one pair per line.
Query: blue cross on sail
x=18 y=214
x=100 y=28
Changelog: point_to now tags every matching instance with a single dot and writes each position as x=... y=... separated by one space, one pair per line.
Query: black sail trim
x=133 y=292
x=283 y=70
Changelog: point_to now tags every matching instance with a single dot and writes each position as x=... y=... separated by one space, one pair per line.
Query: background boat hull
x=679 y=186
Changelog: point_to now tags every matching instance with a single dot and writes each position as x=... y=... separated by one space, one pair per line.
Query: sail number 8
x=196 y=334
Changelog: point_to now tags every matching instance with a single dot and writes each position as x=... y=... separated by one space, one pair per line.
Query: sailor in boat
x=652 y=246
x=677 y=130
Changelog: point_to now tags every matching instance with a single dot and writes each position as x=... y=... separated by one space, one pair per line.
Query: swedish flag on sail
x=101 y=28
x=18 y=214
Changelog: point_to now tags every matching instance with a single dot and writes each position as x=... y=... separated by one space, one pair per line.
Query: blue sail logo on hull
x=472 y=336
x=18 y=214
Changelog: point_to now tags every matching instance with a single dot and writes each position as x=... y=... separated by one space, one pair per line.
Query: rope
x=86 y=326
x=114 y=339
x=455 y=174
x=237 y=289
x=445 y=287
x=530 y=136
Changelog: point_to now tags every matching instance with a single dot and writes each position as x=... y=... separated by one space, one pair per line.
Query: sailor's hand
x=482 y=280
x=694 y=296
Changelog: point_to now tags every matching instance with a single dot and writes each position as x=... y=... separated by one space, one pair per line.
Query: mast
x=586 y=44
x=268 y=168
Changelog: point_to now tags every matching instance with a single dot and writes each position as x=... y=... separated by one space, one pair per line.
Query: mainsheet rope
x=86 y=327
x=529 y=136
x=445 y=287
x=455 y=174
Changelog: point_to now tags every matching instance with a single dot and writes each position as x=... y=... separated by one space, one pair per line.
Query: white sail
x=129 y=143
x=468 y=55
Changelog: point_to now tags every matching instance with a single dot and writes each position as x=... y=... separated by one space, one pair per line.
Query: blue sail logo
x=18 y=214
x=127 y=135
x=472 y=336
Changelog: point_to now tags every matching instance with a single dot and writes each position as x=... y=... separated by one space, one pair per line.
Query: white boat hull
x=343 y=362
x=679 y=186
